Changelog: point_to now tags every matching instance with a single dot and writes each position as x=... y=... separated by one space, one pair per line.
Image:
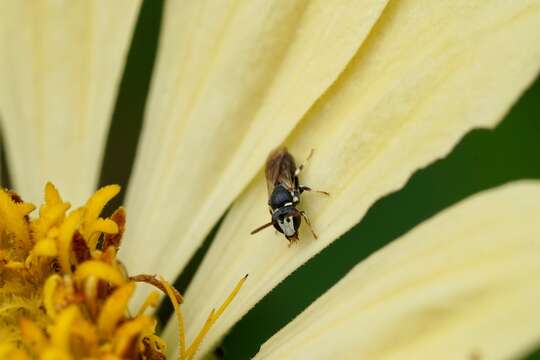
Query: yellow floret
x=99 y=270
x=92 y=209
x=114 y=308
x=13 y=219
x=64 y=296
x=67 y=229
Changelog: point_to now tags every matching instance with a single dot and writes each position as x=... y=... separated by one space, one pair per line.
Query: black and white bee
x=284 y=192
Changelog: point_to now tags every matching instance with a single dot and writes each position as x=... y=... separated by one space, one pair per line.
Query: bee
x=284 y=192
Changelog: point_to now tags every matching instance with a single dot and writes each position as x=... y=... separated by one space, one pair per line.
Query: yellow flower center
x=63 y=293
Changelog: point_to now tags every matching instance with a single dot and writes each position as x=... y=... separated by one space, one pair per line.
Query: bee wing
x=280 y=168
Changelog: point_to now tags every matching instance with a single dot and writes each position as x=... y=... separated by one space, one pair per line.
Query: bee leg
x=301 y=167
x=275 y=231
x=292 y=239
x=308 y=224
x=307 y=188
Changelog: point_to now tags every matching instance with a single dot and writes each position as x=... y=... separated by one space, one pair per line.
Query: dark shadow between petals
x=127 y=119
x=5 y=180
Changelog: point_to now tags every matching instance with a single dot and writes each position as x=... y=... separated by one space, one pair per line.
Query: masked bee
x=284 y=194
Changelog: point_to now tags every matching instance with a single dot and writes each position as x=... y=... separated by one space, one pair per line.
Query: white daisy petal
x=427 y=74
x=232 y=80
x=59 y=72
x=462 y=285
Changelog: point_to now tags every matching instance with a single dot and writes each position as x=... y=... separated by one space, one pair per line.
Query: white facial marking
x=287 y=225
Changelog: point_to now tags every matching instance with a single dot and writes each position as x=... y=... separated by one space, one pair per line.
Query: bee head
x=287 y=221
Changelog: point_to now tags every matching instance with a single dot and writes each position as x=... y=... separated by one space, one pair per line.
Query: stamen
x=86 y=332
x=151 y=300
x=100 y=270
x=33 y=335
x=13 y=218
x=99 y=226
x=15 y=265
x=212 y=318
x=52 y=196
x=231 y=297
x=153 y=280
x=60 y=332
x=91 y=294
x=114 y=308
x=9 y=351
x=126 y=333
x=95 y=205
x=179 y=317
x=67 y=229
x=48 y=294
x=119 y=217
x=200 y=336
x=45 y=247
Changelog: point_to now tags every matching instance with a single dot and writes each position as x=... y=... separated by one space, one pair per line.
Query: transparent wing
x=280 y=167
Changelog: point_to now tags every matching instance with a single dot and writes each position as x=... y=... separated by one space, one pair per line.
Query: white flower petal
x=59 y=72
x=428 y=73
x=232 y=80
x=462 y=285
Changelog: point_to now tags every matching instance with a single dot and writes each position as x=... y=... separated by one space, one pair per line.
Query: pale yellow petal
x=428 y=73
x=60 y=68
x=232 y=80
x=462 y=285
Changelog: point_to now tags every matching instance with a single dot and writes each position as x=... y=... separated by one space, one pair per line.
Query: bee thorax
x=280 y=197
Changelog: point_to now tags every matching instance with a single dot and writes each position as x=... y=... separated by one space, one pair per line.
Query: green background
x=481 y=160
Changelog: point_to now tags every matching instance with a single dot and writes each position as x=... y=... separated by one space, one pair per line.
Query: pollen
x=64 y=294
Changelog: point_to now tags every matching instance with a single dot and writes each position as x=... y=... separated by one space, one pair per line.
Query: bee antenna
x=262 y=227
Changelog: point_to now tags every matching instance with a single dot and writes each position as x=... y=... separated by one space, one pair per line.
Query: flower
x=378 y=88
x=64 y=294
